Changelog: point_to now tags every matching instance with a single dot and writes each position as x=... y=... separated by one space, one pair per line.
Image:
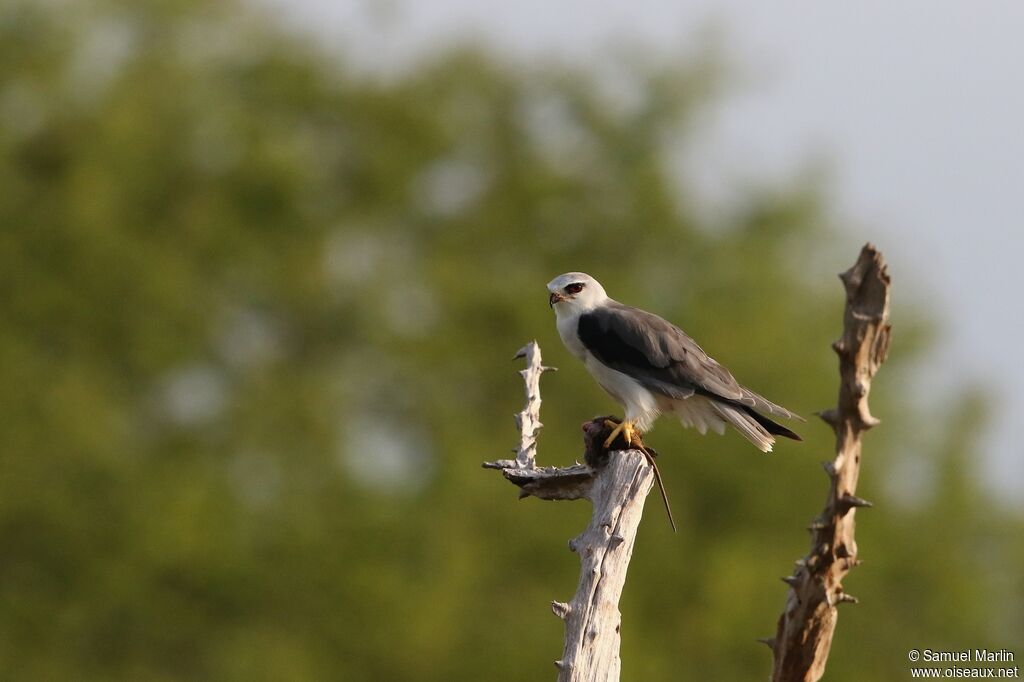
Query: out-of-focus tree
x=257 y=309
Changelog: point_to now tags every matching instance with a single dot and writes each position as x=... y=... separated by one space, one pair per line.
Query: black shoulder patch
x=607 y=345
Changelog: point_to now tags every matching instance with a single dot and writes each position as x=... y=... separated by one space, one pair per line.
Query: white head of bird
x=575 y=293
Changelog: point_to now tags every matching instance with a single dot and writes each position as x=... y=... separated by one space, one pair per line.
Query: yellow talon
x=626 y=428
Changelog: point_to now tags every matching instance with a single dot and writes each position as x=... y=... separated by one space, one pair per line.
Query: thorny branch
x=804 y=632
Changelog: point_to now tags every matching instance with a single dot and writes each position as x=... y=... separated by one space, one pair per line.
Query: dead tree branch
x=617 y=486
x=803 y=636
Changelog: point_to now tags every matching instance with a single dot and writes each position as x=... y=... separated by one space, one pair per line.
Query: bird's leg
x=626 y=428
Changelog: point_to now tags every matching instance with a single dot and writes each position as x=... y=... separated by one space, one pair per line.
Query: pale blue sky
x=917 y=106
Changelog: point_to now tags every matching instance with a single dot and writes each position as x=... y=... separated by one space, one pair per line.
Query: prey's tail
x=756 y=428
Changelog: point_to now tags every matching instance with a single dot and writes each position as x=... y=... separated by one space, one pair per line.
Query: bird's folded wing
x=662 y=357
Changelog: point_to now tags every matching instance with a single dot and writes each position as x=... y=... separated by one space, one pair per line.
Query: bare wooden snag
x=804 y=632
x=617 y=485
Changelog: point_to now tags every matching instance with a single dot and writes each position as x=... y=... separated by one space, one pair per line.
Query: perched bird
x=650 y=367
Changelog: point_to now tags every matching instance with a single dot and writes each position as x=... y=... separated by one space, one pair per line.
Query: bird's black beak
x=555 y=298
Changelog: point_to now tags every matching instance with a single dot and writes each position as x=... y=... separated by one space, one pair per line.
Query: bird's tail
x=755 y=427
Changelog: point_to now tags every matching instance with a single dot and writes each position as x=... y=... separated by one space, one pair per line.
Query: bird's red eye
x=574 y=288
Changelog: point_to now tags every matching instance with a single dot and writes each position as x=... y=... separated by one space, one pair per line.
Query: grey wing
x=662 y=357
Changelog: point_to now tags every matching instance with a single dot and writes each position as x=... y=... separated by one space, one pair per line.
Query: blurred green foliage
x=257 y=314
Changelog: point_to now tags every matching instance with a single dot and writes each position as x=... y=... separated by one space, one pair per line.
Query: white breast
x=641 y=405
x=567 y=330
